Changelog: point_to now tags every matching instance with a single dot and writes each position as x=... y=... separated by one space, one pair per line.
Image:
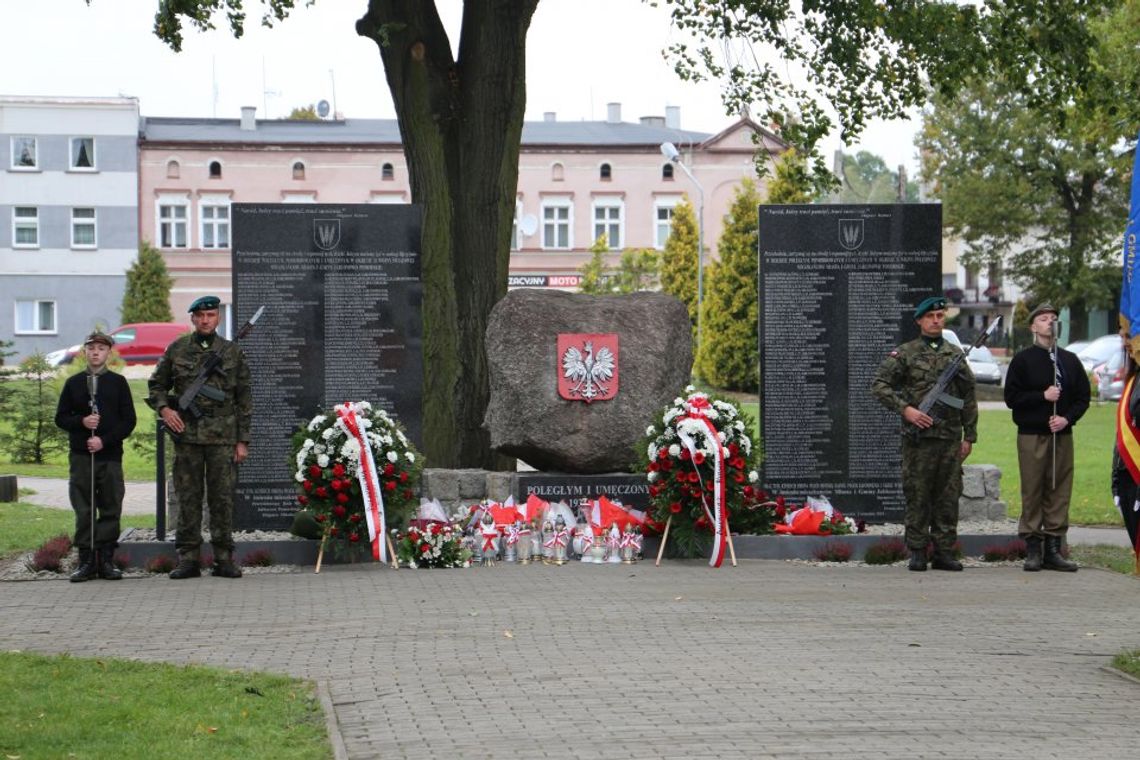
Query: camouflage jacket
x=911 y=370
x=223 y=422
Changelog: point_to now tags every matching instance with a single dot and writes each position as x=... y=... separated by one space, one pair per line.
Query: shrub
x=258 y=558
x=995 y=553
x=120 y=561
x=162 y=563
x=886 y=552
x=50 y=554
x=833 y=551
x=1016 y=549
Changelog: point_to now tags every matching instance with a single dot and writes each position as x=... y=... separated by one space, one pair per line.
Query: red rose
x=738 y=477
x=307 y=485
x=339 y=511
x=322 y=492
x=685 y=455
x=748 y=491
x=780 y=501
x=738 y=463
x=314 y=471
x=403 y=477
x=334 y=531
x=354 y=537
x=733 y=449
x=342 y=497
x=435 y=529
x=354 y=518
x=708 y=485
x=389 y=468
x=682 y=477
x=390 y=485
x=699 y=458
x=694 y=477
x=702 y=522
x=302 y=499
x=338 y=470
x=675 y=507
x=408 y=494
x=762 y=495
x=652 y=467
x=336 y=485
x=780 y=512
x=425 y=548
x=663 y=453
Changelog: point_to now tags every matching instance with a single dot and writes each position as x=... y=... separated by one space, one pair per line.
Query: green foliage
x=304 y=113
x=1118 y=559
x=125 y=709
x=866 y=179
x=886 y=552
x=147 y=297
x=728 y=354
x=1129 y=662
x=595 y=280
x=30 y=434
x=679 y=260
x=637 y=271
x=792 y=183
x=4 y=353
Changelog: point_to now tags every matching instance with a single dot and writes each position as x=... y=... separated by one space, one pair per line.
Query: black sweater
x=1030 y=373
x=116 y=414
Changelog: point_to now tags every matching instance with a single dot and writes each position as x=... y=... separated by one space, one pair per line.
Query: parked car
x=981 y=361
x=138 y=343
x=1077 y=346
x=1100 y=350
x=1110 y=377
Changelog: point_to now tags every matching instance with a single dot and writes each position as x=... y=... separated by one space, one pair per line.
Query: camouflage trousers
x=109 y=490
x=932 y=483
x=205 y=468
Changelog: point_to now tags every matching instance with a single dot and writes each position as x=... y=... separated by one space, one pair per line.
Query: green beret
x=99 y=337
x=1045 y=308
x=305 y=525
x=930 y=304
x=205 y=303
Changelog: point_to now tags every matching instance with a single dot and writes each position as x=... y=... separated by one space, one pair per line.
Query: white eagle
x=589 y=371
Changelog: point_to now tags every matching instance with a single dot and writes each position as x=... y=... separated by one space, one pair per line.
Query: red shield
x=587 y=366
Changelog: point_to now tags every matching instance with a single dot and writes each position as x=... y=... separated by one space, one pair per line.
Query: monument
x=838 y=285
x=341 y=286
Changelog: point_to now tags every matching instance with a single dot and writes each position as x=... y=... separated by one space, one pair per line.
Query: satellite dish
x=323 y=109
x=528 y=224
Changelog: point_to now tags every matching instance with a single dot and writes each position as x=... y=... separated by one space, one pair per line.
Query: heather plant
x=886 y=552
x=833 y=551
x=995 y=553
x=50 y=555
x=258 y=558
x=162 y=563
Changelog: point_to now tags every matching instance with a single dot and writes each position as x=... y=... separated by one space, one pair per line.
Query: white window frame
x=71 y=156
x=608 y=224
x=516 y=232
x=35 y=165
x=664 y=202
x=26 y=222
x=214 y=224
x=555 y=204
x=174 y=222
x=85 y=221
x=37 y=328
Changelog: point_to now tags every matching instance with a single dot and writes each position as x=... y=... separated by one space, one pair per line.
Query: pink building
x=577 y=181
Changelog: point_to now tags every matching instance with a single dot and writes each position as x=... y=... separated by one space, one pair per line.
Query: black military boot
x=1032 y=554
x=945 y=561
x=187 y=568
x=1053 y=559
x=104 y=560
x=225 y=568
x=86 y=570
x=917 y=560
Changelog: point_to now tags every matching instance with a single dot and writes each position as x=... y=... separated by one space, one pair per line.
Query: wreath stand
x=665 y=538
x=391 y=550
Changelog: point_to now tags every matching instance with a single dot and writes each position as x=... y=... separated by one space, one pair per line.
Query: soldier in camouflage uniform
x=932 y=448
x=207 y=449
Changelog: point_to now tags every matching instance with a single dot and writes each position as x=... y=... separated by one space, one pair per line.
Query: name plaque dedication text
x=341 y=286
x=838 y=285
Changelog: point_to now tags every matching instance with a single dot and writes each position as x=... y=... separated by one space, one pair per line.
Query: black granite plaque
x=632 y=490
x=838 y=285
x=343 y=323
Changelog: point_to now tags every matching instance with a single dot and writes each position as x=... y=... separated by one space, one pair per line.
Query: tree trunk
x=461 y=123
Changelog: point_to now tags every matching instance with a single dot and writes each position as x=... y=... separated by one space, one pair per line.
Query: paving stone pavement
x=767 y=660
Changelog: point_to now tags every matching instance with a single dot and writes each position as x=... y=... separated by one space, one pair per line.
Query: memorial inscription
x=343 y=323
x=837 y=287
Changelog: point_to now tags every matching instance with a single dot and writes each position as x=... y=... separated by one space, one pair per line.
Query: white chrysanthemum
x=711 y=413
x=320 y=448
x=739 y=426
x=720 y=437
x=670 y=434
x=299 y=477
x=745 y=445
x=678 y=401
x=328 y=433
x=724 y=406
x=410 y=456
x=674 y=450
x=308 y=444
x=323 y=460
x=316 y=422
x=651 y=430
x=652 y=451
x=670 y=415
x=393 y=456
x=401 y=438
x=386 y=440
x=753 y=476
x=365 y=423
x=350 y=449
x=652 y=477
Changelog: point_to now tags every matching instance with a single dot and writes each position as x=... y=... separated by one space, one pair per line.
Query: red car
x=139 y=343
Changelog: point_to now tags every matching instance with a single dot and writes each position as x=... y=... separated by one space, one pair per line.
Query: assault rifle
x=938 y=395
x=187 y=405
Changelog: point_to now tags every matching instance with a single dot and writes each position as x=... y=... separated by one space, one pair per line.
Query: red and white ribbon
x=557 y=539
x=489 y=540
x=369 y=481
x=719 y=514
x=512 y=534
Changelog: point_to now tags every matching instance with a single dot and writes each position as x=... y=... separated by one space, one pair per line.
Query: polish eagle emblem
x=589 y=367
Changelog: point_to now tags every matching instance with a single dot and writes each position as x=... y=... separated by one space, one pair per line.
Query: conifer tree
x=147 y=297
x=31 y=435
x=728 y=355
x=679 y=259
x=791 y=183
x=595 y=277
x=637 y=271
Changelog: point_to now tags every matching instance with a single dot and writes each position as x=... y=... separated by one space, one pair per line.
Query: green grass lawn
x=1095 y=436
x=24 y=526
x=71 y=707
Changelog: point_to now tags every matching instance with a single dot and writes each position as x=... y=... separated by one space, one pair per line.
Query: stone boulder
x=526 y=416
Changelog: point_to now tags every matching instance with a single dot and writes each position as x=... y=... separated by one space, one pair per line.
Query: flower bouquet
x=435 y=546
x=356 y=472
x=699 y=463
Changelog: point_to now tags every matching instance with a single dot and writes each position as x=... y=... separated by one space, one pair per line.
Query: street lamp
x=669 y=150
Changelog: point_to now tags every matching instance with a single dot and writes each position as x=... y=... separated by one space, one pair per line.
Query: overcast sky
x=581 y=55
